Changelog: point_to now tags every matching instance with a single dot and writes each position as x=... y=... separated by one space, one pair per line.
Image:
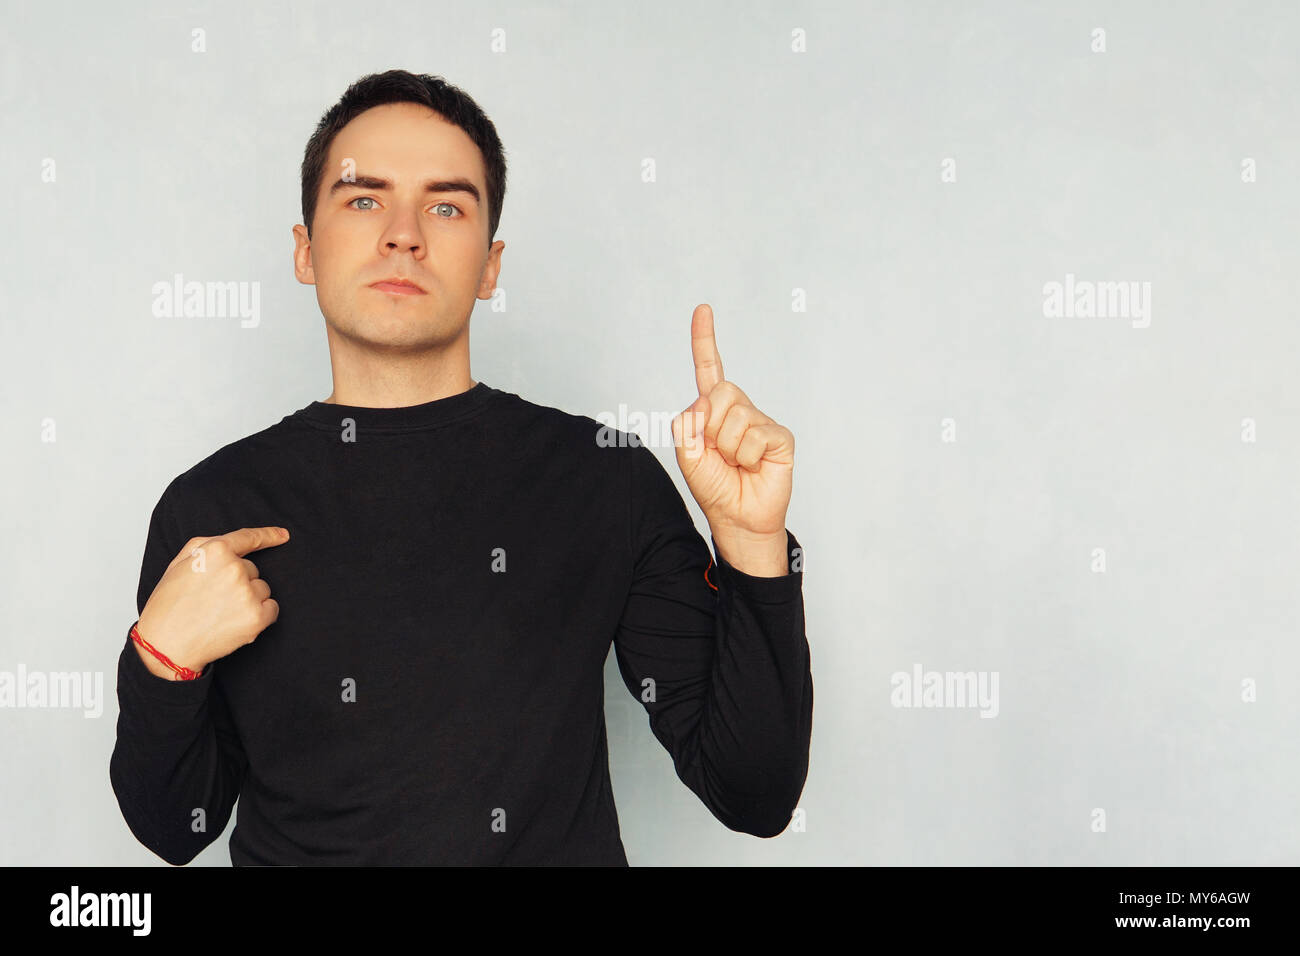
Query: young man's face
x=364 y=233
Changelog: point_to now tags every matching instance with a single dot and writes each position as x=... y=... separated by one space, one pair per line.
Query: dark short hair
x=399 y=86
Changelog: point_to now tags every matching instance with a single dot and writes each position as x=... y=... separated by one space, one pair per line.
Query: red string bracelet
x=182 y=673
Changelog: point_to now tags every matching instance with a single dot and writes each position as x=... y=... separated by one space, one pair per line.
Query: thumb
x=688 y=433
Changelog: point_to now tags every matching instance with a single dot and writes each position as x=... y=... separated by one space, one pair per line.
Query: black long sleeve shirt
x=432 y=691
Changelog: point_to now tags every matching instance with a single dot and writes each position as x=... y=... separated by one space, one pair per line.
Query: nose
x=403 y=234
x=404 y=245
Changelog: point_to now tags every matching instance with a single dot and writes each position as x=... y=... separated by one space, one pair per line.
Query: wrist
x=161 y=662
x=758 y=555
x=155 y=667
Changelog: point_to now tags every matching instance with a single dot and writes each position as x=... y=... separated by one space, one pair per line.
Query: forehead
x=405 y=142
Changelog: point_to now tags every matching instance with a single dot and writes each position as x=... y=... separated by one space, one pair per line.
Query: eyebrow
x=458 y=185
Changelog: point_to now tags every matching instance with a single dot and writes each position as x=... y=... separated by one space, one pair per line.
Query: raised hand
x=738 y=463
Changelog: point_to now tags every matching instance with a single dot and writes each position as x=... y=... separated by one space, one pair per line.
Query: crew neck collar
x=424 y=415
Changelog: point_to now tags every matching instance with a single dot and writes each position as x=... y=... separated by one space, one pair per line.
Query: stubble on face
x=439 y=240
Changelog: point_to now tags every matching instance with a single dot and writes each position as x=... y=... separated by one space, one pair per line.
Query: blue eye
x=371 y=199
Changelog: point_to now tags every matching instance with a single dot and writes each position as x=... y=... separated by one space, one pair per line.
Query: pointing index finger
x=246 y=540
x=704 y=348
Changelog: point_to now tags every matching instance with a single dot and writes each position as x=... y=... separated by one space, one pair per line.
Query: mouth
x=397 y=286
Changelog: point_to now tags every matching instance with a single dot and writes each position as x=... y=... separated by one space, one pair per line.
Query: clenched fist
x=209 y=602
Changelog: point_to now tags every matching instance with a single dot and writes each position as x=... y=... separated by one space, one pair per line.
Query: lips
x=396 y=285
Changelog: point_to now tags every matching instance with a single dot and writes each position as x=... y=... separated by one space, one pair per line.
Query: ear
x=302 y=267
x=491 y=269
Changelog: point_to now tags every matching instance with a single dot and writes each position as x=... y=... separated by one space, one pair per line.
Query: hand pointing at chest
x=738 y=463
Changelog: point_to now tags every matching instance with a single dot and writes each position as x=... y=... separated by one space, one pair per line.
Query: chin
x=390 y=333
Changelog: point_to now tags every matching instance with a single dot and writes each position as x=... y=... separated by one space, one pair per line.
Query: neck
x=399 y=397
x=369 y=378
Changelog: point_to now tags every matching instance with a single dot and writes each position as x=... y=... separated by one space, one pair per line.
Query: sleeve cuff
x=779 y=590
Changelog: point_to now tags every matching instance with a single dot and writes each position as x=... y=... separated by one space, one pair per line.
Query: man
x=426 y=685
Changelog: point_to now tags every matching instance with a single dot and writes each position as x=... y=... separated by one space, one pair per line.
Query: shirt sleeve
x=177 y=751
x=718 y=658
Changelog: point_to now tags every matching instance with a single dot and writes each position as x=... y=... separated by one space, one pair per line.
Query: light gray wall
x=961 y=454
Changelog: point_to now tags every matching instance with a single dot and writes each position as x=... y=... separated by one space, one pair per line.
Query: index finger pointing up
x=708 y=363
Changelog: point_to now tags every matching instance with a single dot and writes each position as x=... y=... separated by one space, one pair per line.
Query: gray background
x=777 y=170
